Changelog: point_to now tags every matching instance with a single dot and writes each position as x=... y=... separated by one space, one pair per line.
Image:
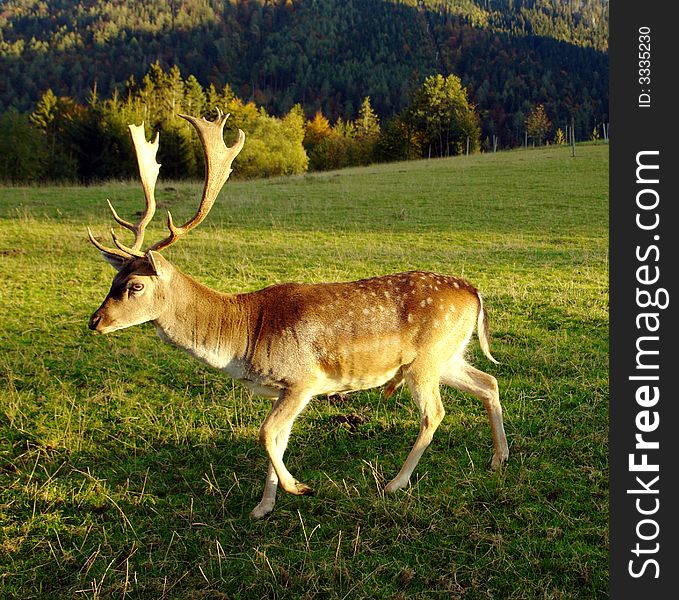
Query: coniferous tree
x=194 y=97
x=367 y=123
x=314 y=53
x=316 y=139
x=538 y=124
x=45 y=111
x=54 y=118
x=317 y=129
x=22 y=152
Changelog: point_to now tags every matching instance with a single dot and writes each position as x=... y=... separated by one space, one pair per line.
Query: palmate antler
x=218 y=159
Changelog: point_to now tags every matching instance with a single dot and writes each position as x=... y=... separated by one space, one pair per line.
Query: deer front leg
x=265 y=505
x=273 y=435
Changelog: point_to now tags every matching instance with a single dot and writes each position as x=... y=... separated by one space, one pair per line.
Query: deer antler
x=148 y=173
x=106 y=250
x=218 y=159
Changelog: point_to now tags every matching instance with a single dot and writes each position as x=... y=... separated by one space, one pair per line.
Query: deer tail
x=482 y=328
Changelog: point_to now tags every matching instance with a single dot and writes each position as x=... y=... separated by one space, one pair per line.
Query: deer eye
x=136 y=287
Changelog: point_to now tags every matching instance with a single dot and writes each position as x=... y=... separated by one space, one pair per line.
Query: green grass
x=128 y=470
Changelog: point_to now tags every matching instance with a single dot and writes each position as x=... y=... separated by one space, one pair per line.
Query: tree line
x=325 y=56
x=63 y=140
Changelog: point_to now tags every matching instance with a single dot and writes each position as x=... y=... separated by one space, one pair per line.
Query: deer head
x=139 y=290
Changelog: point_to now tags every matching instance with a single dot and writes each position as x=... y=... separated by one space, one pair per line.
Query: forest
x=62 y=140
x=318 y=60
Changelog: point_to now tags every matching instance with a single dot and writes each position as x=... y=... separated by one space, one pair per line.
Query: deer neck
x=207 y=324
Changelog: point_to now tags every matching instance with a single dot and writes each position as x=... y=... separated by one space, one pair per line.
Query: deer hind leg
x=393 y=384
x=425 y=391
x=273 y=435
x=268 y=500
x=461 y=375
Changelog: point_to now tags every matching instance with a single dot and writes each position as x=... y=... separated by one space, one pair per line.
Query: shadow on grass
x=151 y=516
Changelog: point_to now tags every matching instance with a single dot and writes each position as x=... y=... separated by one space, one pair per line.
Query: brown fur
x=292 y=341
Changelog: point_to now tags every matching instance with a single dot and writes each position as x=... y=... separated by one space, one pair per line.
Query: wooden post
x=573 y=136
x=525 y=141
x=467 y=145
x=494 y=143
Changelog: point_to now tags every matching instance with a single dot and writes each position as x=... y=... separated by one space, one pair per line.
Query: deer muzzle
x=95 y=321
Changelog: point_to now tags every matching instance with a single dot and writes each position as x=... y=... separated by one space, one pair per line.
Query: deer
x=290 y=342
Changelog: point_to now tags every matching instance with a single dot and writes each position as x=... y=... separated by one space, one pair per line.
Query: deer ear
x=161 y=267
x=117 y=262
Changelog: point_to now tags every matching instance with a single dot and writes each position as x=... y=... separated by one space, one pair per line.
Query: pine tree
x=317 y=130
x=212 y=98
x=194 y=98
x=367 y=124
x=55 y=119
x=538 y=124
x=173 y=94
x=595 y=134
x=45 y=111
x=22 y=152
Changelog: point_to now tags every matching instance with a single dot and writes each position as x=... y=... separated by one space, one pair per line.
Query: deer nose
x=94 y=321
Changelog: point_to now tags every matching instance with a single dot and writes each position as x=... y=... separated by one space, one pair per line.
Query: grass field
x=127 y=469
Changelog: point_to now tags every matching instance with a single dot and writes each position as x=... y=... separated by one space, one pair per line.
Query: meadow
x=127 y=469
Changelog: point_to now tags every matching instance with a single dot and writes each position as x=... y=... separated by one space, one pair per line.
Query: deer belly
x=360 y=367
x=257 y=384
x=265 y=391
x=351 y=382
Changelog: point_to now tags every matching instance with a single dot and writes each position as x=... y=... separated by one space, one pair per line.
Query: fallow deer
x=292 y=341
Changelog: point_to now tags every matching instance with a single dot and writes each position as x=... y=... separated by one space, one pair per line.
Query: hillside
x=511 y=54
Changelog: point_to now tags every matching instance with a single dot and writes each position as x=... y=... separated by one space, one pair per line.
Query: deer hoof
x=394 y=486
x=298 y=488
x=304 y=490
x=498 y=460
x=260 y=511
